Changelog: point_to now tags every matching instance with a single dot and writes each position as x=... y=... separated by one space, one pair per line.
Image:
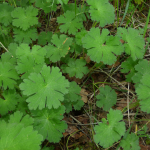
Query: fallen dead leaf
x=121 y=104
x=78 y=135
x=117 y=63
x=77 y=80
x=144 y=147
x=87 y=58
x=84 y=94
x=71 y=129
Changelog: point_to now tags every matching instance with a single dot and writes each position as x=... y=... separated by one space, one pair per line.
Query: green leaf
x=70 y=23
x=37 y=53
x=46 y=88
x=23 y=3
x=26 y=65
x=79 y=36
x=107 y=98
x=73 y=93
x=128 y=66
x=8 y=75
x=110 y=131
x=48 y=123
x=101 y=11
x=5 y=14
x=66 y=58
x=19 y=134
x=76 y=68
x=73 y=97
x=12 y=50
x=130 y=143
x=78 y=104
x=44 y=37
x=143 y=67
x=48 y=148
x=8 y=57
x=9 y=102
x=25 y=18
x=23 y=105
x=143 y=92
x=4 y=30
x=62 y=2
x=18 y=117
x=75 y=47
x=102 y=47
x=134 y=42
x=80 y=10
x=59 y=48
x=46 y=5
x=27 y=36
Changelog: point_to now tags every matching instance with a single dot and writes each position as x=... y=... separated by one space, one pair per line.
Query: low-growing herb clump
x=37 y=65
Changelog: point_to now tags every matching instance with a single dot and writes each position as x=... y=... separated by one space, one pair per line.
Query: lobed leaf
x=8 y=57
x=12 y=50
x=23 y=105
x=70 y=23
x=134 y=42
x=59 y=48
x=46 y=88
x=5 y=14
x=18 y=117
x=27 y=36
x=110 y=131
x=80 y=10
x=19 y=134
x=107 y=98
x=143 y=92
x=128 y=66
x=79 y=36
x=75 y=68
x=9 y=102
x=25 y=18
x=143 y=67
x=46 y=5
x=8 y=75
x=48 y=123
x=101 y=11
x=131 y=142
x=4 y=30
x=102 y=47
x=75 y=47
x=37 y=53
x=73 y=97
x=44 y=37
x=26 y=65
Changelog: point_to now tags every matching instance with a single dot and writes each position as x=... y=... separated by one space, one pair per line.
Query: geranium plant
x=34 y=90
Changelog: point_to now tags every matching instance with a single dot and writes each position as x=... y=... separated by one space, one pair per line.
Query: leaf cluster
x=34 y=90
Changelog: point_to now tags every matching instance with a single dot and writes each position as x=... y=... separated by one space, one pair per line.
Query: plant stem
x=82 y=4
x=127 y=6
x=94 y=24
x=14 y=3
x=4 y=47
x=75 y=7
x=69 y=138
x=146 y=25
x=117 y=13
